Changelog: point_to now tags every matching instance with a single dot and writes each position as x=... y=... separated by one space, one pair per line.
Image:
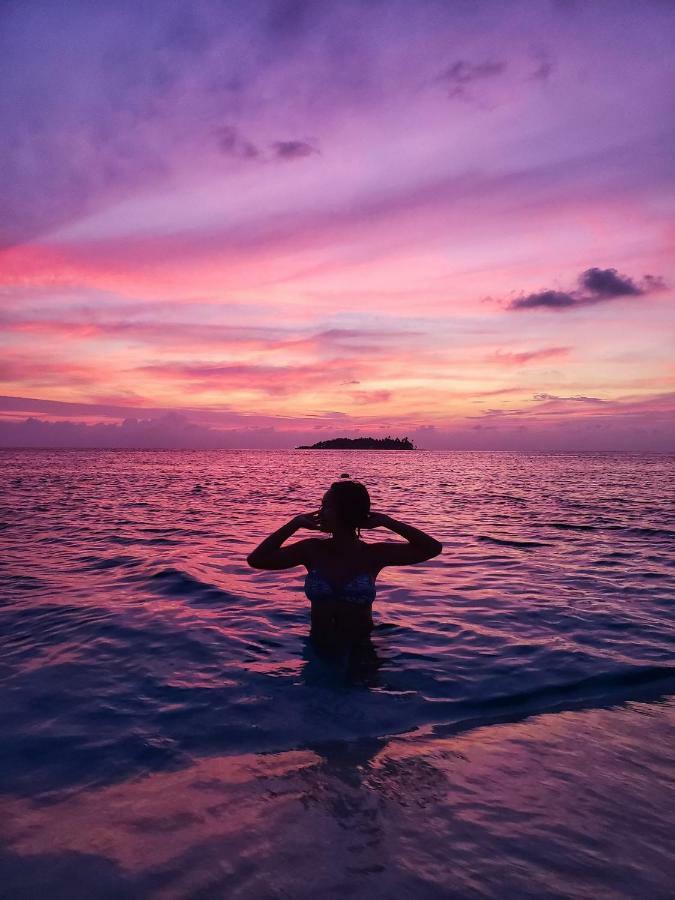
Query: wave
x=650 y=532
x=569 y=526
x=171 y=582
x=102 y=563
x=594 y=692
x=511 y=542
x=24 y=584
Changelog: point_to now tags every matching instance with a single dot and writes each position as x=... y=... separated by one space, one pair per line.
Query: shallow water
x=169 y=731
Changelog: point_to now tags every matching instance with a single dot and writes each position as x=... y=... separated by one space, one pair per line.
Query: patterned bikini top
x=359 y=590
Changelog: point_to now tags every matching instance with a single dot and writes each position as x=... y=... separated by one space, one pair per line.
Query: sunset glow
x=265 y=224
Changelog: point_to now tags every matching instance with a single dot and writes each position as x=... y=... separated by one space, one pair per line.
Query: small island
x=364 y=443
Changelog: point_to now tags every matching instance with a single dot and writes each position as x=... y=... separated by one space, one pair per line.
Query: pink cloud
x=172 y=230
x=372 y=396
x=15 y=368
x=267 y=379
x=508 y=358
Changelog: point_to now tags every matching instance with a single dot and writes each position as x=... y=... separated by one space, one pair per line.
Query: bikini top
x=359 y=590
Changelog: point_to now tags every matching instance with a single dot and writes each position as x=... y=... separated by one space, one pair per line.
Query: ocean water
x=168 y=730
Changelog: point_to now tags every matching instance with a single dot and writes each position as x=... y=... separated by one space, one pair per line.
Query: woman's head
x=345 y=504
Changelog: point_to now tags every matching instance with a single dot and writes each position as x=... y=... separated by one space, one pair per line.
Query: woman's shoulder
x=314 y=544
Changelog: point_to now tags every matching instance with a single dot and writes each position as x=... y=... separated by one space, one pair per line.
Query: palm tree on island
x=362 y=443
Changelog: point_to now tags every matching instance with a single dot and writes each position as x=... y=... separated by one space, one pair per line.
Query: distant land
x=365 y=443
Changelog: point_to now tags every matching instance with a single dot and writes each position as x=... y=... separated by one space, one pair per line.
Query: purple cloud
x=293 y=149
x=461 y=74
x=552 y=424
x=231 y=143
x=607 y=283
x=577 y=397
x=596 y=286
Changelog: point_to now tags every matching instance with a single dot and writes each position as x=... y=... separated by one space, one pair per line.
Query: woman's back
x=340 y=583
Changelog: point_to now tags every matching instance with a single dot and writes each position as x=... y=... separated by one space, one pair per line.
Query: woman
x=341 y=569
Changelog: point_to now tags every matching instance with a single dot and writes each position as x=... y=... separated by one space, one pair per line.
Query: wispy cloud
x=231 y=142
x=273 y=381
x=293 y=149
x=544 y=65
x=274 y=208
x=21 y=368
x=508 y=358
x=381 y=396
x=461 y=75
x=576 y=398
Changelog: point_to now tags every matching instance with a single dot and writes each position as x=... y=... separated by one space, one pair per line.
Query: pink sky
x=267 y=223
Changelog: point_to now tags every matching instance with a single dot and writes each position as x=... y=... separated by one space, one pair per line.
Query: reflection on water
x=351 y=663
x=169 y=721
x=575 y=804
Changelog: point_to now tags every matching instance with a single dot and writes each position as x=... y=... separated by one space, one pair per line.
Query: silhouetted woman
x=341 y=569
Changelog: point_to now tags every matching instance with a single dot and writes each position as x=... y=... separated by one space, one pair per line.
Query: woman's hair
x=352 y=502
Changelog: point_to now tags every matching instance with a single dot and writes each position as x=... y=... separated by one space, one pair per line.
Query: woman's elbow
x=254 y=561
x=436 y=548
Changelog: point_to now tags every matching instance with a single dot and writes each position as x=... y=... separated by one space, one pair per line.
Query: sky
x=272 y=222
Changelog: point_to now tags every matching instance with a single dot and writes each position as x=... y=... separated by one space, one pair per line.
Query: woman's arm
x=269 y=554
x=420 y=547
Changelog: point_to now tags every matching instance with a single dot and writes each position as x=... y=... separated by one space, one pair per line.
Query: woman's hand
x=376 y=520
x=307 y=520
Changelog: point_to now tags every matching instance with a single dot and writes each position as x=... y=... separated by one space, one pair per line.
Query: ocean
x=169 y=731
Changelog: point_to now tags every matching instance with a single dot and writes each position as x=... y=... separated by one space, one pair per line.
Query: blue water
x=169 y=731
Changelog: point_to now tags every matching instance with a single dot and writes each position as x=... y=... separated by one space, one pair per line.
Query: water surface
x=169 y=731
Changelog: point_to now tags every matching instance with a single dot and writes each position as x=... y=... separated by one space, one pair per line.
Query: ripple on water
x=137 y=643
